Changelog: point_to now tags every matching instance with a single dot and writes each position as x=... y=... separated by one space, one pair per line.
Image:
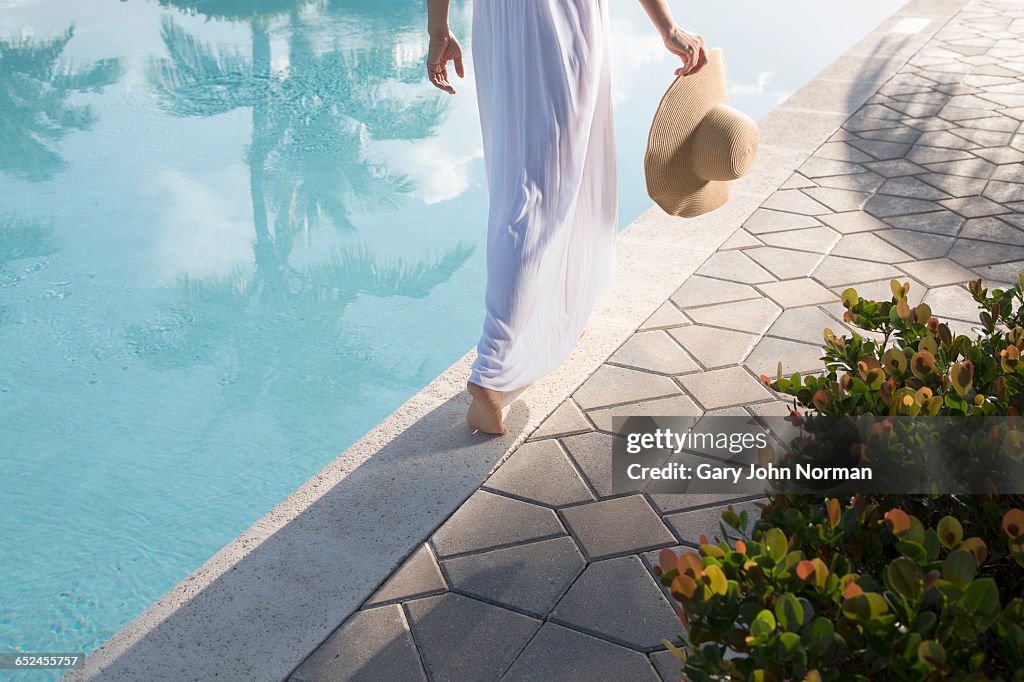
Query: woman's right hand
x=689 y=47
x=443 y=48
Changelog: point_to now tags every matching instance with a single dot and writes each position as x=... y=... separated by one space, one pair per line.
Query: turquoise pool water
x=233 y=240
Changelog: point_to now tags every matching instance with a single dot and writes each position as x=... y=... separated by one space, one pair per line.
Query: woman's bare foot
x=485 y=413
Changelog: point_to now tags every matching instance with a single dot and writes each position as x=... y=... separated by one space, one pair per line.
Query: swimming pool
x=231 y=241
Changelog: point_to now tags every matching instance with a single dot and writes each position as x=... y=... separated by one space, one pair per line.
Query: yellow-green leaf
x=776 y=545
x=716 y=580
x=950 y=532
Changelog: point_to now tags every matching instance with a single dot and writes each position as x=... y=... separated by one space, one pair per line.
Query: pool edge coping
x=645 y=278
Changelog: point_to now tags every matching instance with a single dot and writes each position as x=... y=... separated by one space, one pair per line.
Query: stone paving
x=543 y=573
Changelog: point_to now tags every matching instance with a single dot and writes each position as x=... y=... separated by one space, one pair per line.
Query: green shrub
x=883 y=586
x=913 y=364
x=825 y=591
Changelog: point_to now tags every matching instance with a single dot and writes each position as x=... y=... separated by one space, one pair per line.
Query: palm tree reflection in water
x=280 y=328
x=35 y=85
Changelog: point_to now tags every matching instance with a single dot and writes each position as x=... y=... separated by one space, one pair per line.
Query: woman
x=544 y=97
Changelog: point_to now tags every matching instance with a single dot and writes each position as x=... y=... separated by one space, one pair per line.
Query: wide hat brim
x=672 y=180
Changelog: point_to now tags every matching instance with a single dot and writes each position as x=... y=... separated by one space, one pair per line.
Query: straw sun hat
x=697 y=143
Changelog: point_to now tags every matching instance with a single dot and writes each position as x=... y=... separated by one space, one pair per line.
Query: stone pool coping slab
x=272 y=595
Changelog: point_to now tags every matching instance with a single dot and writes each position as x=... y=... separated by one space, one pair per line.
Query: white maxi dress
x=544 y=95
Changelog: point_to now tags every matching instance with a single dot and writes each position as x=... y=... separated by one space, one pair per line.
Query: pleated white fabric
x=544 y=94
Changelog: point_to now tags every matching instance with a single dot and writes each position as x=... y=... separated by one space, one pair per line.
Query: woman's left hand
x=443 y=49
x=689 y=47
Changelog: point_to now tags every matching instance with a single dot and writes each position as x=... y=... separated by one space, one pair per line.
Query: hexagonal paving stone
x=567 y=418
x=937 y=272
x=954 y=185
x=697 y=291
x=856 y=182
x=714 y=347
x=946 y=139
x=817 y=239
x=785 y=263
x=669 y=503
x=558 y=653
x=795 y=201
x=1016 y=220
x=972 y=168
x=901 y=133
x=746 y=316
x=592 y=453
x=869 y=245
x=838 y=199
x=794 y=356
x=882 y=150
x=913 y=187
x=983 y=138
x=971 y=253
x=841 y=151
x=797 y=292
x=1000 y=155
x=815 y=167
x=1007 y=173
x=855 y=221
x=618 y=599
x=996 y=122
x=372 y=645
x=486 y=521
x=418 y=576
x=797 y=181
x=954 y=113
x=835 y=271
x=1004 y=192
x=860 y=122
x=611 y=385
x=560 y=485
x=934 y=222
x=667 y=315
x=895 y=168
x=764 y=221
x=933 y=155
x=925 y=124
x=465 y=639
x=740 y=239
x=734 y=266
x=952 y=302
x=918 y=244
x=974 y=207
x=617 y=526
x=680 y=405
x=998 y=230
x=805 y=325
x=1003 y=272
x=528 y=578
x=887 y=206
x=724 y=388
x=655 y=351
